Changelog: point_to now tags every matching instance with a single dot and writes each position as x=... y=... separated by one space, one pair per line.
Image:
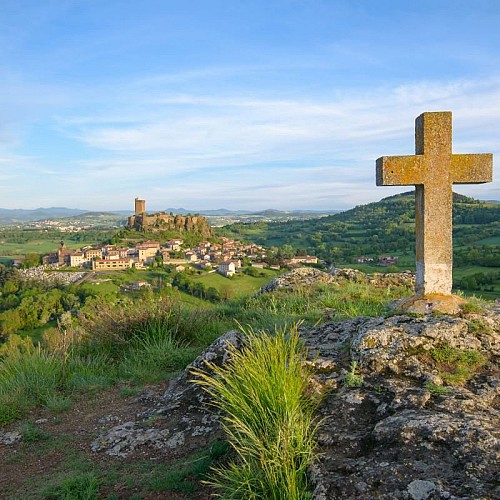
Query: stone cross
x=433 y=170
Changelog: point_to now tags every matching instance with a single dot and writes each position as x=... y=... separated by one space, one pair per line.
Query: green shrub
x=31 y=433
x=353 y=378
x=267 y=415
x=479 y=325
x=150 y=359
x=10 y=410
x=58 y=403
x=473 y=305
x=113 y=328
x=30 y=376
x=436 y=389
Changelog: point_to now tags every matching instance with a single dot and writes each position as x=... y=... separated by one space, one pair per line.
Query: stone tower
x=140 y=206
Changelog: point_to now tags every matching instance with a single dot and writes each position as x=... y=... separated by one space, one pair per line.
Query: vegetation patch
x=457 y=366
x=31 y=433
x=353 y=378
x=436 y=389
x=478 y=325
x=77 y=486
x=268 y=416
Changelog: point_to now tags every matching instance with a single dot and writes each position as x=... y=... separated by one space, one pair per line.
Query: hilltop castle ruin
x=161 y=221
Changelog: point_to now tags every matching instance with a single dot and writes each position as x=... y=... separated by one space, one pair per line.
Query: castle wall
x=163 y=221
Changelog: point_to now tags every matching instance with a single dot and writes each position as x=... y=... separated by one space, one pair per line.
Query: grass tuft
x=457 y=366
x=79 y=486
x=436 y=389
x=267 y=415
x=31 y=433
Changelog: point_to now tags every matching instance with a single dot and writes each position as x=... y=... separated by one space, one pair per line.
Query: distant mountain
x=23 y=216
x=271 y=212
x=224 y=211
x=91 y=215
x=11 y=216
x=218 y=211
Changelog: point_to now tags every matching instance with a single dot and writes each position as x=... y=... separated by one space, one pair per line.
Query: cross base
x=434 y=302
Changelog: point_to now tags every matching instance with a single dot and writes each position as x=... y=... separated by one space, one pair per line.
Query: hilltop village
x=224 y=256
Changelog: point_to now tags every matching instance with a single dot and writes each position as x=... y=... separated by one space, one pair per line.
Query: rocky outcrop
x=304 y=277
x=398 y=432
x=179 y=422
x=162 y=221
x=402 y=434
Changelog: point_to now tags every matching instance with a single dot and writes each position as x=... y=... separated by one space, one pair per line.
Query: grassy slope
x=126 y=349
x=240 y=285
x=384 y=227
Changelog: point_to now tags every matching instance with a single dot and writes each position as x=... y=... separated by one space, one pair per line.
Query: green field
x=239 y=285
x=495 y=240
x=39 y=246
x=462 y=272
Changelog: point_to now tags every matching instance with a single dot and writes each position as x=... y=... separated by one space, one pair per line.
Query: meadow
x=116 y=348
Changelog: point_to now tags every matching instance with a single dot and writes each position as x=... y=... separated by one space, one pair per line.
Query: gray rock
x=9 y=437
x=309 y=276
x=392 y=423
x=180 y=422
x=421 y=490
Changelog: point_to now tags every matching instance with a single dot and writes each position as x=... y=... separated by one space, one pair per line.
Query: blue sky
x=248 y=104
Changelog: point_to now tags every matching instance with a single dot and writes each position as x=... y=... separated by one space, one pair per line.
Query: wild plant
x=353 y=378
x=267 y=414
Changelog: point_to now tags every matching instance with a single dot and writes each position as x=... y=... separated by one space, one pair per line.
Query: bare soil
x=62 y=446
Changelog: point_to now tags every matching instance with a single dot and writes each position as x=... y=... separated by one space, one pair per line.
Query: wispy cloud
x=208 y=148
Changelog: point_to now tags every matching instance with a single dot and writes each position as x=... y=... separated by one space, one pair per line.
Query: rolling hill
x=383 y=227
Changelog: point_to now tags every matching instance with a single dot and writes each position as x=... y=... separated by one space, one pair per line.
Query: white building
x=227 y=269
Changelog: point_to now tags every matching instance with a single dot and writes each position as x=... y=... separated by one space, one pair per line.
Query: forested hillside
x=386 y=226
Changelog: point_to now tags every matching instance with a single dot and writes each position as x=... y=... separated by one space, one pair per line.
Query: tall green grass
x=30 y=377
x=113 y=328
x=345 y=300
x=144 y=342
x=268 y=417
x=151 y=357
x=147 y=340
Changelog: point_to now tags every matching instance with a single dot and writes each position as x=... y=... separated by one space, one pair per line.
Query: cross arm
x=400 y=170
x=472 y=168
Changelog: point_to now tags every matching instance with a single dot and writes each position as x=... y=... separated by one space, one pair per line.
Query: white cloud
x=207 y=149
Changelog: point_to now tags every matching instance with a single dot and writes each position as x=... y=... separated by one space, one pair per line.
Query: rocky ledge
x=402 y=428
x=304 y=277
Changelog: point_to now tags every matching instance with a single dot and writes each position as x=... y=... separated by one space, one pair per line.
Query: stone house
x=387 y=260
x=112 y=255
x=174 y=245
x=77 y=259
x=191 y=257
x=227 y=269
x=147 y=250
x=363 y=259
x=93 y=253
x=137 y=285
